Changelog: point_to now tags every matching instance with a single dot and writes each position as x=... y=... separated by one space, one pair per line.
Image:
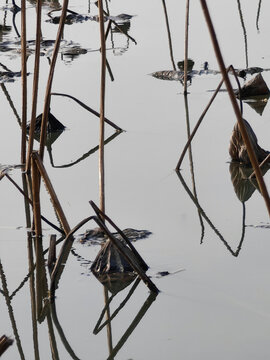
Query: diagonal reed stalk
x=169 y=33
x=47 y=100
x=230 y=68
x=35 y=86
x=24 y=80
x=236 y=109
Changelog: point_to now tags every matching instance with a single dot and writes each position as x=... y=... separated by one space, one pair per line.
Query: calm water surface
x=218 y=307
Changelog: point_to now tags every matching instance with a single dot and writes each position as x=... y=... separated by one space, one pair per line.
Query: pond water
x=218 y=305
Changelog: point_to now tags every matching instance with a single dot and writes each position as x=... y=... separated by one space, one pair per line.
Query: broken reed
x=238 y=114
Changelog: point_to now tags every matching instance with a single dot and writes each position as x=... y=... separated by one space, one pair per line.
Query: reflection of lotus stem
x=10 y=311
x=192 y=166
x=234 y=253
x=133 y=325
x=238 y=114
x=244 y=31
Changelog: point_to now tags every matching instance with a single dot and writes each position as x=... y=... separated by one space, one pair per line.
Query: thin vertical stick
x=38 y=236
x=258 y=15
x=244 y=31
x=35 y=86
x=24 y=81
x=186 y=48
x=243 y=130
x=102 y=107
x=32 y=295
x=169 y=33
x=47 y=100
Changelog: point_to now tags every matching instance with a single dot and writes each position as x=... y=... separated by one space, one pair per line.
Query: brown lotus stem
x=251 y=154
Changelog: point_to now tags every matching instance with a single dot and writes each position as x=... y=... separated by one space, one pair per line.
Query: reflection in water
x=5 y=292
x=191 y=163
x=258 y=103
x=99 y=326
x=258 y=14
x=84 y=156
x=244 y=187
x=244 y=31
x=207 y=219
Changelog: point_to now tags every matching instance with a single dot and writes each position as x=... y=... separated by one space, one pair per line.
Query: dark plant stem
x=243 y=130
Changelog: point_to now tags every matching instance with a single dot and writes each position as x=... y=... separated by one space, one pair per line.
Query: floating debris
x=112 y=269
x=53 y=124
x=255 y=87
x=78 y=18
x=96 y=236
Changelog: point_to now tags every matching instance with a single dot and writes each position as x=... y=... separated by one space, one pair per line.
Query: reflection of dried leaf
x=258 y=103
x=243 y=186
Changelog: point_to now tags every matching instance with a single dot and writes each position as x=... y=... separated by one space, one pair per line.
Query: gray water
x=218 y=306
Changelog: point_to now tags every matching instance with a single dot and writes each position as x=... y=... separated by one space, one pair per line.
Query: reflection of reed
x=237 y=251
x=10 y=311
x=133 y=325
x=61 y=332
x=3 y=87
x=99 y=327
x=192 y=165
x=84 y=156
x=244 y=31
x=169 y=33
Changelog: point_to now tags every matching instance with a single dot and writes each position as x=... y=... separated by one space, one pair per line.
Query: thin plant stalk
x=244 y=31
x=35 y=86
x=204 y=113
x=10 y=312
x=31 y=203
x=102 y=107
x=33 y=295
x=38 y=236
x=88 y=109
x=238 y=114
x=186 y=48
x=261 y=164
x=47 y=100
x=54 y=198
x=197 y=126
x=192 y=173
x=258 y=15
x=24 y=81
x=169 y=33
